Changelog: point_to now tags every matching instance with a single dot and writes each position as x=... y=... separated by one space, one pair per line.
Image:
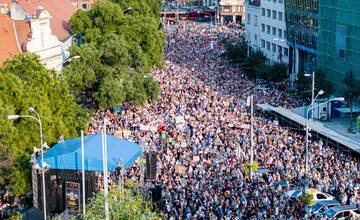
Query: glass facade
x=302 y=26
x=339 y=38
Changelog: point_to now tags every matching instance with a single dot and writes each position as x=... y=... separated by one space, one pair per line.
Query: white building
x=42 y=41
x=252 y=24
x=231 y=11
x=265 y=22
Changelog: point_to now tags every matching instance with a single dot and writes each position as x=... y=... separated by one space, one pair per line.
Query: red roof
x=23 y=31
x=60 y=11
x=8 y=45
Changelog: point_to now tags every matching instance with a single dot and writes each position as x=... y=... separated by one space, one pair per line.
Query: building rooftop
x=60 y=11
x=8 y=46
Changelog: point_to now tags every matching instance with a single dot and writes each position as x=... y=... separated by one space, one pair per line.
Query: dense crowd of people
x=199 y=130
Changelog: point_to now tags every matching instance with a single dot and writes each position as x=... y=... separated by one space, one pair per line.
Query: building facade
x=339 y=39
x=42 y=41
x=302 y=28
x=266 y=28
x=252 y=17
x=231 y=11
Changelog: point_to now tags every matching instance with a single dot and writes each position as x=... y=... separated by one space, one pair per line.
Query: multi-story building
x=253 y=13
x=231 y=11
x=302 y=24
x=339 y=39
x=266 y=27
x=39 y=27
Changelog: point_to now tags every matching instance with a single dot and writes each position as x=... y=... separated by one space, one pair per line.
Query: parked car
x=320 y=207
x=344 y=212
x=316 y=195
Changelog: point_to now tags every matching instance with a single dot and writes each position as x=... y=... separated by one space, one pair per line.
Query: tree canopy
x=126 y=203
x=122 y=41
x=24 y=83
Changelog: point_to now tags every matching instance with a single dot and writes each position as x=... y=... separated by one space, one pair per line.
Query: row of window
x=274 y=48
x=234 y=8
x=278 y=1
x=276 y=32
x=276 y=15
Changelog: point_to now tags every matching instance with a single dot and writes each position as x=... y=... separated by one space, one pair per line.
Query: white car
x=344 y=212
x=316 y=194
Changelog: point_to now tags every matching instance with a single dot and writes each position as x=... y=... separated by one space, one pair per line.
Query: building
x=302 y=29
x=39 y=27
x=339 y=39
x=11 y=48
x=231 y=11
x=252 y=26
x=266 y=27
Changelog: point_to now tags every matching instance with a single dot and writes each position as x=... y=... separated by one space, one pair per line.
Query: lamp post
x=312 y=89
x=127 y=9
x=68 y=60
x=311 y=106
x=38 y=119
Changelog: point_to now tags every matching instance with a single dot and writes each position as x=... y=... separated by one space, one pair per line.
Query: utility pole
x=313 y=94
x=251 y=134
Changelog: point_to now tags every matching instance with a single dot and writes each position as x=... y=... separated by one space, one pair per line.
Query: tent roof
x=66 y=155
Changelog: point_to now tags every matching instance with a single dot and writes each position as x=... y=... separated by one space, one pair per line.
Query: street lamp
x=312 y=88
x=38 y=119
x=68 y=60
x=311 y=106
x=127 y=9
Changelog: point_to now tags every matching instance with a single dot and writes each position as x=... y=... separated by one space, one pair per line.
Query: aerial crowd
x=199 y=130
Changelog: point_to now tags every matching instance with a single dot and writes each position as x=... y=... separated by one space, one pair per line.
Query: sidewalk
x=335 y=130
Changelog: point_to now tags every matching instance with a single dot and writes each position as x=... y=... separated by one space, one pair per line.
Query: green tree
x=323 y=83
x=351 y=92
x=303 y=85
x=250 y=64
x=120 y=45
x=235 y=52
x=274 y=73
x=25 y=83
x=127 y=203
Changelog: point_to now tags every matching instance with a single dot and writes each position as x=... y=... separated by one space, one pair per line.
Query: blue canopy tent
x=66 y=155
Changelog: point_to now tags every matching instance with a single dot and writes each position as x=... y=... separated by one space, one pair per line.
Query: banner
x=72 y=199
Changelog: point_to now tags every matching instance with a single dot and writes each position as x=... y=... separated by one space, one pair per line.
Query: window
x=279 y=49
x=281 y=1
x=267 y=45
x=248 y=18
x=268 y=13
x=273 y=46
x=286 y=52
x=255 y=38
x=339 y=215
x=262 y=43
x=262 y=11
x=285 y=35
x=226 y=8
x=280 y=16
x=320 y=196
x=255 y=20
x=268 y=29
x=279 y=33
x=274 y=31
x=347 y=214
x=263 y=28
x=85 y=6
x=274 y=14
